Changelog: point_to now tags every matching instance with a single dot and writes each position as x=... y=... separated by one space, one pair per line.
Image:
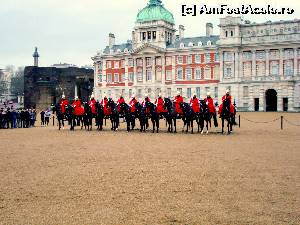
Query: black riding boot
x=215 y=120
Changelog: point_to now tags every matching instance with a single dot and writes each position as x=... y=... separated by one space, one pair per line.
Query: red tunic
x=92 y=104
x=194 y=102
x=160 y=105
x=210 y=105
x=107 y=110
x=132 y=105
x=178 y=100
x=231 y=106
x=120 y=102
x=78 y=110
x=63 y=104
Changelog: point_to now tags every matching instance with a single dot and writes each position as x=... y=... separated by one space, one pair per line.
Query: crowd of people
x=17 y=118
x=45 y=117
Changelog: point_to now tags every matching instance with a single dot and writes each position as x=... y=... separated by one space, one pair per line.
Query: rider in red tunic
x=147 y=99
x=92 y=104
x=194 y=102
x=211 y=107
x=132 y=103
x=227 y=96
x=106 y=109
x=210 y=103
x=63 y=103
x=78 y=109
x=120 y=102
x=177 y=100
x=159 y=102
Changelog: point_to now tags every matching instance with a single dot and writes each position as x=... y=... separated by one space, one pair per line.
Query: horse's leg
x=192 y=124
x=207 y=126
x=157 y=124
x=222 y=125
x=174 y=120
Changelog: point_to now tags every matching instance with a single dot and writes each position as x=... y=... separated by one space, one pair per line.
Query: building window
x=140 y=75
x=231 y=33
x=144 y=36
x=169 y=75
x=197 y=59
x=198 y=73
x=245 y=91
x=179 y=59
x=189 y=92
x=130 y=77
x=216 y=92
x=100 y=78
x=226 y=33
x=139 y=93
x=169 y=92
x=227 y=72
x=109 y=78
x=154 y=35
x=140 y=62
x=123 y=64
x=207 y=73
x=179 y=90
x=260 y=55
x=247 y=67
x=189 y=59
x=179 y=74
x=130 y=62
x=198 y=92
x=274 y=65
x=247 y=55
x=288 y=68
x=108 y=64
x=188 y=74
x=148 y=75
x=158 y=61
x=260 y=69
x=228 y=56
x=123 y=78
x=289 y=54
x=208 y=43
x=207 y=89
x=149 y=35
x=116 y=77
x=168 y=61
x=181 y=45
x=274 y=54
x=130 y=93
x=148 y=61
x=116 y=64
x=217 y=57
x=207 y=58
x=200 y=44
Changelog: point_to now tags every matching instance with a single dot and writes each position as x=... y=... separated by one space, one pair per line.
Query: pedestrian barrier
x=281 y=118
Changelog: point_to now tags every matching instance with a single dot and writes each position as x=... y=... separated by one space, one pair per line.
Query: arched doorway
x=271 y=100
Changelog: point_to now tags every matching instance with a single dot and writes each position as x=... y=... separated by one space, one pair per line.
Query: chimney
x=181 y=31
x=111 y=40
x=209 y=29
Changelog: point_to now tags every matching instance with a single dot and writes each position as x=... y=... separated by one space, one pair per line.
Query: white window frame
x=118 y=78
x=198 y=76
x=189 y=73
x=179 y=69
x=180 y=59
x=168 y=75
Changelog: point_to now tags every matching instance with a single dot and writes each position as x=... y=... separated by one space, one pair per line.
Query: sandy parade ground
x=62 y=177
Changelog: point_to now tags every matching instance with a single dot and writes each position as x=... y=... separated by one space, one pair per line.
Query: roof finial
x=155 y=2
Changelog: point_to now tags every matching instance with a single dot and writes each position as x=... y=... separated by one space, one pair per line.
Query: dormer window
x=118 y=50
x=199 y=43
x=181 y=45
x=191 y=44
x=126 y=50
x=208 y=43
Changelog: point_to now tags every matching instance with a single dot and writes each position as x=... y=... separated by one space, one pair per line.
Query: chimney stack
x=111 y=40
x=181 y=31
x=209 y=29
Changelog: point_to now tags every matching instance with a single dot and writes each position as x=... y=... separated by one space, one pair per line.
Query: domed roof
x=155 y=11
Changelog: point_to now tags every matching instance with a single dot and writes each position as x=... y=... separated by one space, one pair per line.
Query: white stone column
x=267 y=62
x=253 y=63
x=279 y=100
x=236 y=65
x=144 y=71
x=295 y=62
x=262 y=102
x=104 y=78
x=291 y=98
x=126 y=72
x=135 y=71
x=281 y=73
x=221 y=66
x=76 y=90
x=153 y=70
x=241 y=61
x=173 y=69
x=163 y=75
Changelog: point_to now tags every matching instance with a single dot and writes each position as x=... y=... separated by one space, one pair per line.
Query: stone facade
x=44 y=86
x=259 y=63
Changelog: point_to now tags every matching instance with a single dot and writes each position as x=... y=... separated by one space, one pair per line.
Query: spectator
x=47 y=117
x=42 y=118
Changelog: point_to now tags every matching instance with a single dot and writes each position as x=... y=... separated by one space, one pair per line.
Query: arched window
x=199 y=43
x=191 y=44
x=226 y=33
x=209 y=43
x=181 y=45
x=231 y=33
x=126 y=50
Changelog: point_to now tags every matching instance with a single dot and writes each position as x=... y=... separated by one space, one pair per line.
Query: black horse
x=128 y=115
x=227 y=115
x=114 y=116
x=154 y=116
x=88 y=117
x=141 y=115
x=188 y=117
x=60 y=116
x=170 y=115
x=99 y=116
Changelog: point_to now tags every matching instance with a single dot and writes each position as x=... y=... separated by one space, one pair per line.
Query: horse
x=114 y=116
x=204 y=116
x=154 y=116
x=170 y=115
x=141 y=115
x=87 y=117
x=59 y=115
x=128 y=115
x=99 y=116
x=73 y=119
x=227 y=115
x=188 y=117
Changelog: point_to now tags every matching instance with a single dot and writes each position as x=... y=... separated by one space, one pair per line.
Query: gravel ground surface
x=62 y=177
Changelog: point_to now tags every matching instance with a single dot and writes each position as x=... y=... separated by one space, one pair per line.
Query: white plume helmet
x=92 y=96
x=208 y=93
x=76 y=98
x=63 y=96
x=227 y=91
x=194 y=94
x=120 y=95
x=178 y=92
x=159 y=95
x=133 y=96
x=146 y=95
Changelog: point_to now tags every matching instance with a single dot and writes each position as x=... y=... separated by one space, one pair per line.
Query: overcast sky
x=72 y=31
